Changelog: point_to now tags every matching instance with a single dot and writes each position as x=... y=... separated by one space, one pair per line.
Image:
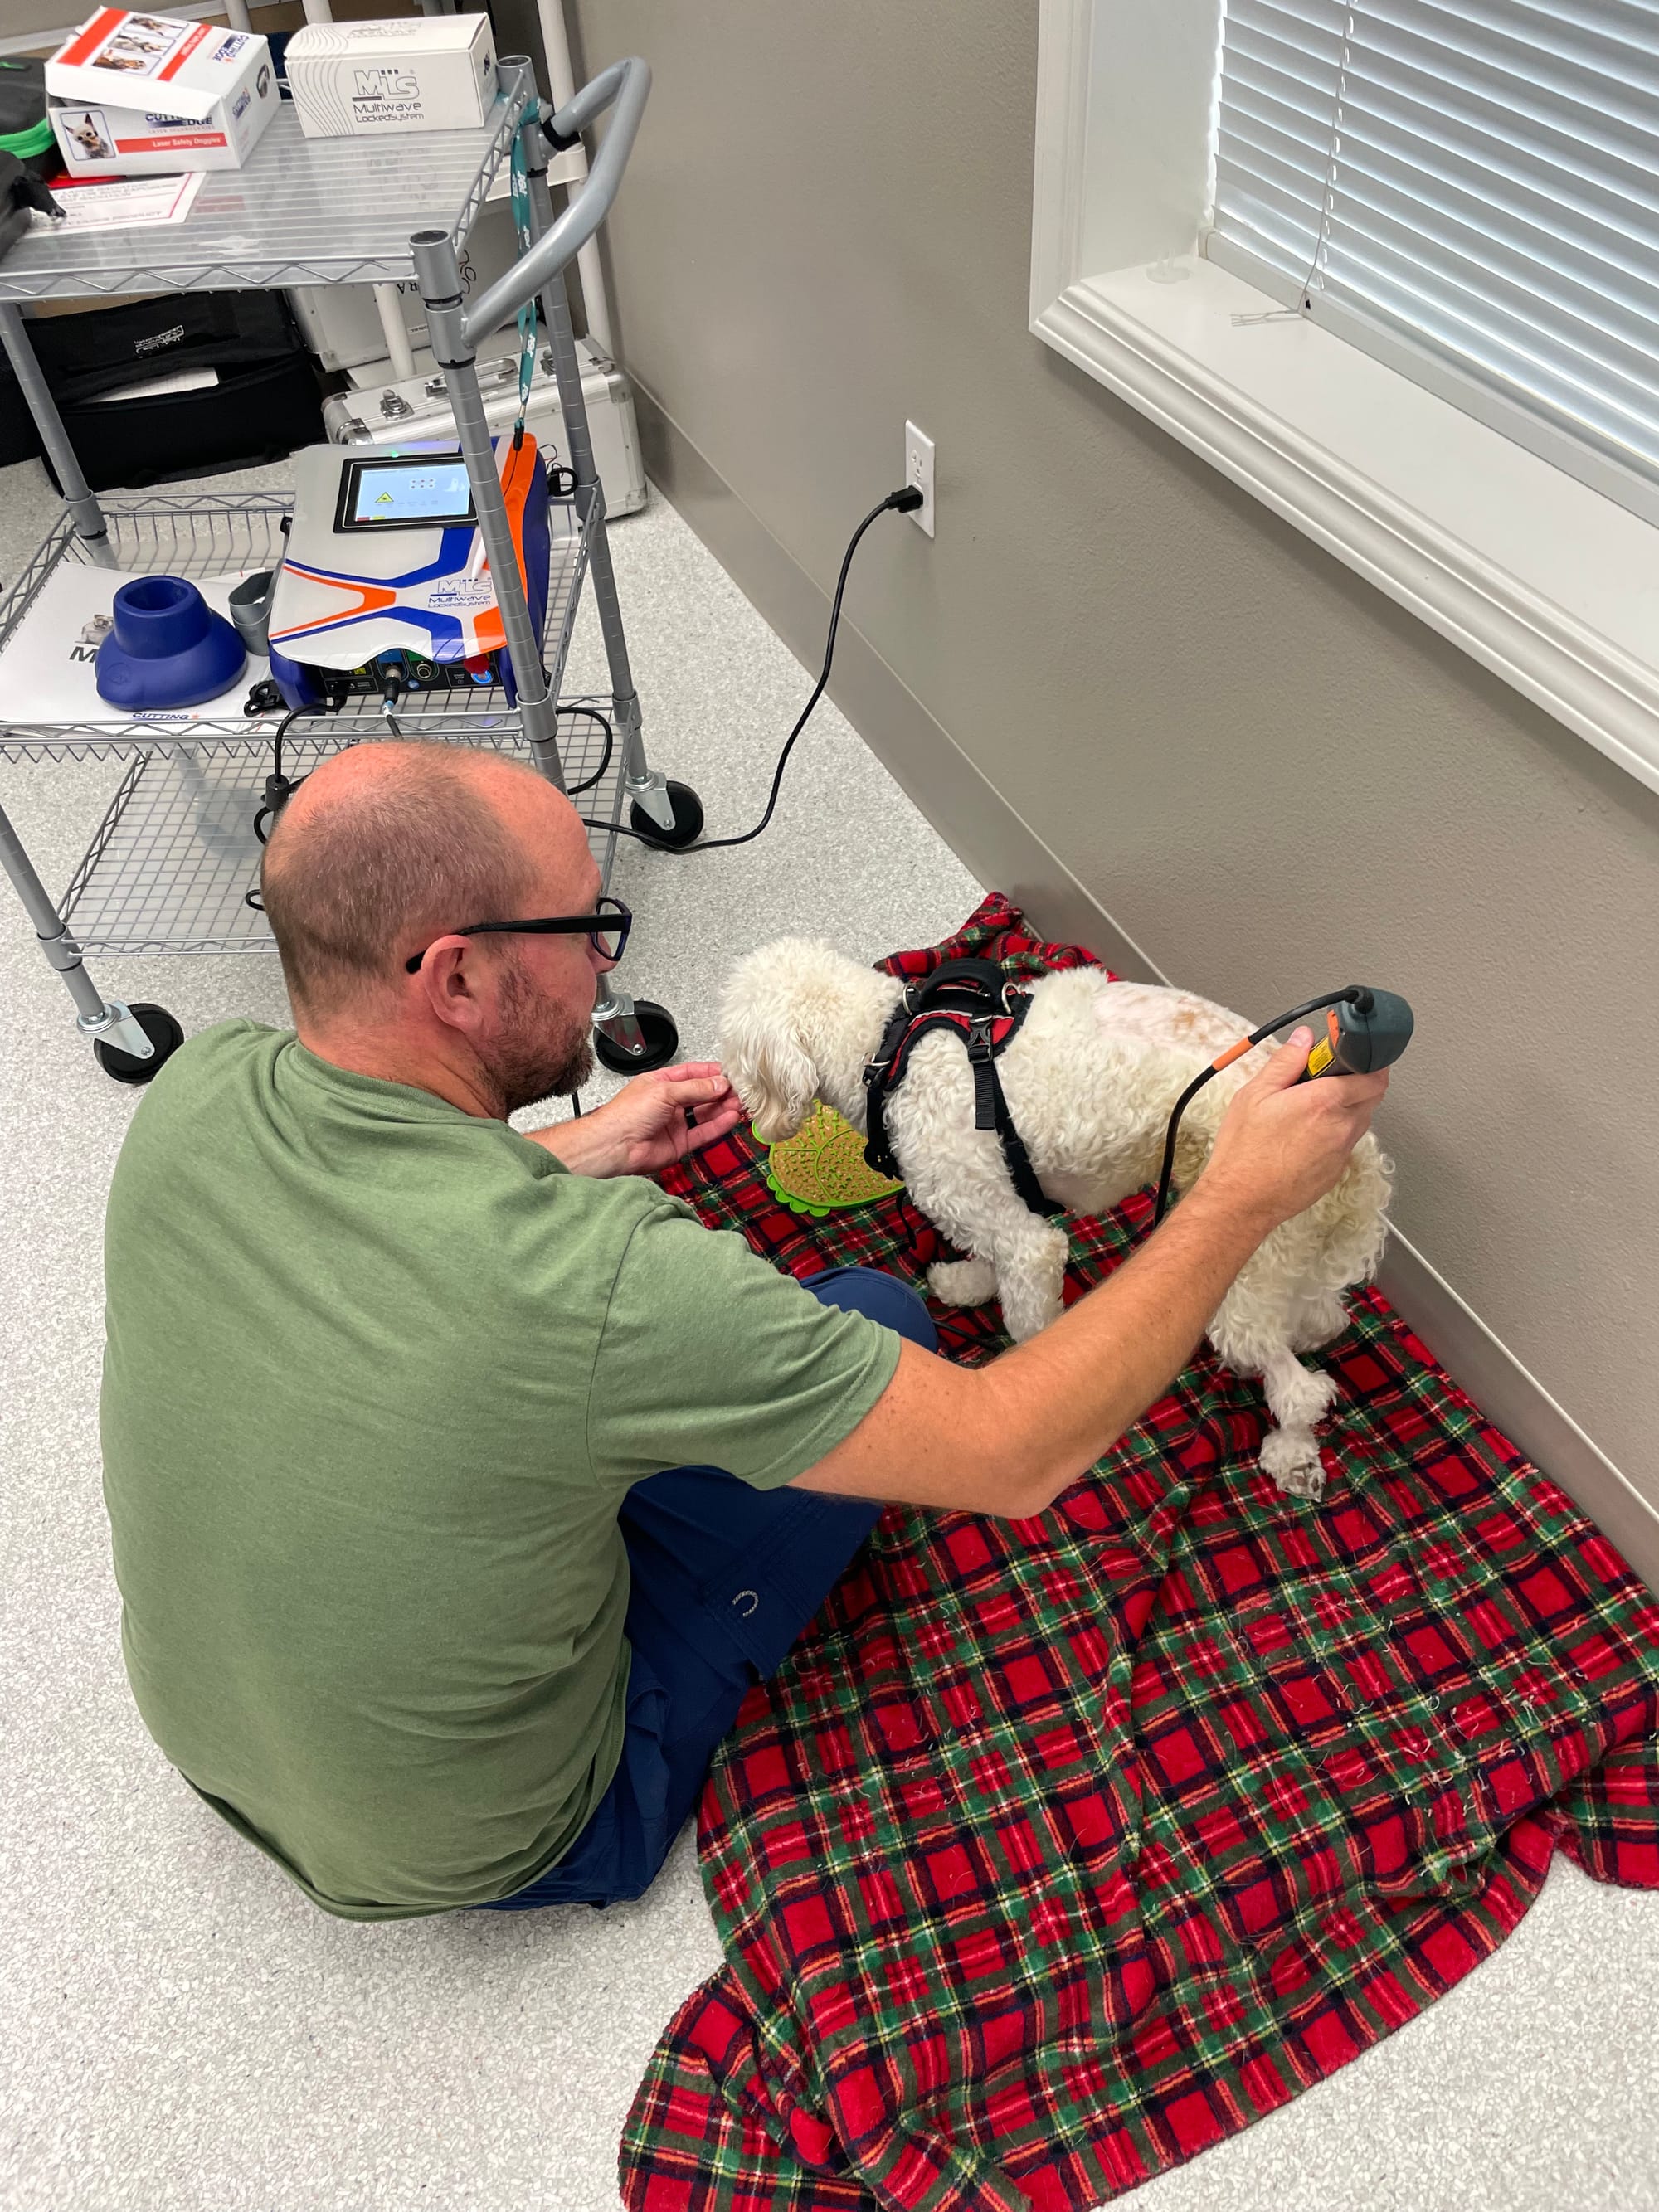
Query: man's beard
x=542 y=1050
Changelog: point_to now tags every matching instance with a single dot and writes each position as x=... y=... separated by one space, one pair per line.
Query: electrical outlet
x=919 y=471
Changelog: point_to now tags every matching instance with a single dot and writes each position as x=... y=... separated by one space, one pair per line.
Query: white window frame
x=1549 y=583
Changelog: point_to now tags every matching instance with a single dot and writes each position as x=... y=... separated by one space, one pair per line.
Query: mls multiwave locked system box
x=404 y=73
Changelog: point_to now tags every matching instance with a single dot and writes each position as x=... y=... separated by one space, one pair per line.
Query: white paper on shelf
x=47 y=673
x=156 y=387
x=120 y=202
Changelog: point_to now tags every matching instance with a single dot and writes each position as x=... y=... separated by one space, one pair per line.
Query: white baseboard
x=1002 y=848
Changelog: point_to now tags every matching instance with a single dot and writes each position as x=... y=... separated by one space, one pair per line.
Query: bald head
x=386 y=846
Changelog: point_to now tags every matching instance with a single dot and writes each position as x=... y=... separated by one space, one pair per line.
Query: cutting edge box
x=210 y=94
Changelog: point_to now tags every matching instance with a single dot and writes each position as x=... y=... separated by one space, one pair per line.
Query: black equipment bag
x=21 y=193
x=265 y=401
x=25 y=127
x=28 y=150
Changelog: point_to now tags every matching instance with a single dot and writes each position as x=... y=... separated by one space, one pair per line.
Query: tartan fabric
x=1060 y=1849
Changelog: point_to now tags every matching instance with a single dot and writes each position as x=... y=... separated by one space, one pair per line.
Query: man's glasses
x=605 y=929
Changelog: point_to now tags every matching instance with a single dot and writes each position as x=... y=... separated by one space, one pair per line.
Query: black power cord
x=279 y=788
x=1356 y=995
x=904 y=501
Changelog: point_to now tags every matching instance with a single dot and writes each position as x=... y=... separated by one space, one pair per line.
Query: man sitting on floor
x=460 y=1481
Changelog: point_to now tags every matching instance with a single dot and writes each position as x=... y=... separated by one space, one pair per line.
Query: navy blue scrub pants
x=724 y=1579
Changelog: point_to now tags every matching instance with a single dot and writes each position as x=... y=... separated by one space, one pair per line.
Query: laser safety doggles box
x=137 y=95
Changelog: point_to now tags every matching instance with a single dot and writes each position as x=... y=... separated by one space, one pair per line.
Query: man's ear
x=448 y=977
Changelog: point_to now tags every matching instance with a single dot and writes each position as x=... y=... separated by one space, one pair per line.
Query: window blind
x=1471 y=191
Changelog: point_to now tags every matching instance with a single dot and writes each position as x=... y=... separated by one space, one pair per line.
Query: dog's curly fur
x=1090 y=1079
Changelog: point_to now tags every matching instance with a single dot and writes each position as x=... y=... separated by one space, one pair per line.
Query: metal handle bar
x=628 y=84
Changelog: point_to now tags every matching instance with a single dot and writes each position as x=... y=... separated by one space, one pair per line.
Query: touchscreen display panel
x=399 y=493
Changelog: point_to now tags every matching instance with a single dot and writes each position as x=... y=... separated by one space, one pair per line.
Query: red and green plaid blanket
x=1061 y=1848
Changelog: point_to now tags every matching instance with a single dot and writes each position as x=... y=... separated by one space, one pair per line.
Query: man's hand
x=1279 y=1148
x=654 y=1121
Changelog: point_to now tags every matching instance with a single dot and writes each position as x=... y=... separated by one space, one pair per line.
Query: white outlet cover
x=919 y=471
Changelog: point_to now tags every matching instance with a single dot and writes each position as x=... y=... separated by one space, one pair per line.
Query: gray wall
x=1165 y=700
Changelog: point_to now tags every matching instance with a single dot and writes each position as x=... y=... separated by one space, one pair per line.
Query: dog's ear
x=769 y=1072
x=778 y=1083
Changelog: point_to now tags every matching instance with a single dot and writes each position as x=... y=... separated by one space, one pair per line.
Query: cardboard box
x=135 y=94
x=404 y=73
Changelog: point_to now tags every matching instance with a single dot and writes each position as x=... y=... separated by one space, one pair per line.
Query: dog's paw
x=1291 y=1456
x=963 y=1282
x=1299 y=1397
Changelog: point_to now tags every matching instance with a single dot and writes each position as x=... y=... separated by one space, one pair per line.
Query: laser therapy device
x=384 y=585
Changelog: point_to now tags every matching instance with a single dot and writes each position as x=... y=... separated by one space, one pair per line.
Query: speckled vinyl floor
x=180 y=2029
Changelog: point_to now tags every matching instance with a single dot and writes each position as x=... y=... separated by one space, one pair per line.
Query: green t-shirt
x=377 y=1378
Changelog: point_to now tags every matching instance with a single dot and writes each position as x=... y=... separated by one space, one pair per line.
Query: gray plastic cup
x=250 y=610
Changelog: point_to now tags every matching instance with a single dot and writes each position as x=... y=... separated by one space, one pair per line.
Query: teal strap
x=519 y=182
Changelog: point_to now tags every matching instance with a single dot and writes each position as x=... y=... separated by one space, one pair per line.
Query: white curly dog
x=1090 y=1079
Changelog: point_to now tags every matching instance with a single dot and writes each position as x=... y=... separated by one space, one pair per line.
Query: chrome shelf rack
x=202 y=535
x=174 y=857
x=300 y=211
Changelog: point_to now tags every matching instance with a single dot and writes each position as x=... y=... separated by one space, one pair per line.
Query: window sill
x=1544 y=581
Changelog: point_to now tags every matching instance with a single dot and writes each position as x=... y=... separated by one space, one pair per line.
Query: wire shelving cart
x=169 y=866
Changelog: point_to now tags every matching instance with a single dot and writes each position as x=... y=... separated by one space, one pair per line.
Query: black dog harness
x=972 y=999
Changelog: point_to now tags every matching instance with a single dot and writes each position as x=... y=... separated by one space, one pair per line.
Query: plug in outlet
x=919 y=472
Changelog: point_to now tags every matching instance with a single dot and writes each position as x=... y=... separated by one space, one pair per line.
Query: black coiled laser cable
x=279 y=788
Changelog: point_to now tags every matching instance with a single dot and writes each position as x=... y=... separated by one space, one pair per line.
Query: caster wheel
x=662 y=1041
x=163 y=1032
x=687 y=820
